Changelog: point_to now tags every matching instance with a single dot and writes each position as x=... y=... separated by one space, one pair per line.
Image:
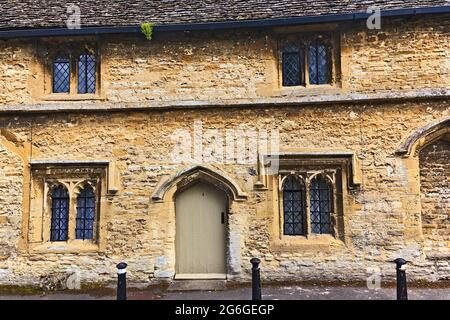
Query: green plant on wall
x=147 y=30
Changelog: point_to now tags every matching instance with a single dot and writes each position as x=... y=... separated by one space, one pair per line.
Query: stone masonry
x=434 y=177
x=399 y=207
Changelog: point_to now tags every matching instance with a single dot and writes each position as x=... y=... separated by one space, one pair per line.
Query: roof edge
x=18 y=33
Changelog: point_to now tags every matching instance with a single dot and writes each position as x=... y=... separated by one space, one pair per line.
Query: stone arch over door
x=426 y=153
x=186 y=176
x=163 y=209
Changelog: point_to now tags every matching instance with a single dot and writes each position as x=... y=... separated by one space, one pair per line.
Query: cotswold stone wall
x=382 y=215
x=404 y=55
x=398 y=56
x=11 y=189
x=16 y=59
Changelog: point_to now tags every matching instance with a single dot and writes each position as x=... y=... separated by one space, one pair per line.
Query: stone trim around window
x=333 y=178
x=302 y=41
x=343 y=173
x=44 y=178
x=72 y=49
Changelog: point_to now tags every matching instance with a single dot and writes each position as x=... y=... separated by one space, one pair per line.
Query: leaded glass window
x=319 y=63
x=61 y=74
x=86 y=73
x=293 y=206
x=292 y=64
x=85 y=214
x=60 y=214
x=320 y=208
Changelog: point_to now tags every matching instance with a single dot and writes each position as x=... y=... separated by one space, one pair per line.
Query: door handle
x=222 y=215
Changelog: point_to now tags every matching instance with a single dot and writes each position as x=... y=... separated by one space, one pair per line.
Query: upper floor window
x=86 y=73
x=61 y=74
x=319 y=63
x=308 y=60
x=293 y=74
x=73 y=71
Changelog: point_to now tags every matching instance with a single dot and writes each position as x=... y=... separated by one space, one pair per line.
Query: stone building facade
x=378 y=133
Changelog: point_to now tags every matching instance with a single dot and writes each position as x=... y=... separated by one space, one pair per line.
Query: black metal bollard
x=256 y=279
x=122 y=281
x=402 y=292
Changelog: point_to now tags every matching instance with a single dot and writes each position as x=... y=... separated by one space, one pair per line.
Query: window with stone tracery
x=320 y=195
x=67 y=206
x=86 y=208
x=308 y=202
x=294 y=206
x=74 y=211
x=60 y=214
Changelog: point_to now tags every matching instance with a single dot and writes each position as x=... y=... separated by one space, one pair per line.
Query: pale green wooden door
x=201 y=233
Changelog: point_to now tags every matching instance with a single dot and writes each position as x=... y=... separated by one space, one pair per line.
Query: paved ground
x=269 y=293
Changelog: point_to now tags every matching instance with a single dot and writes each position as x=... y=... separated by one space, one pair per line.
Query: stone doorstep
x=198 y=285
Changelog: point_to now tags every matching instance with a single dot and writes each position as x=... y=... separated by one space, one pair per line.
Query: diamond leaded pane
x=85 y=214
x=293 y=206
x=319 y=64
x=292 y=66
x=60 y=214
x=291 y=69
x=61 y=75
x=86 y=73
x=312 y=64
x=324 y=64
x=320 y=193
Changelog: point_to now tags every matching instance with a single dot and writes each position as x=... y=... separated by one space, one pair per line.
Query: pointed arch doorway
x=201 y=232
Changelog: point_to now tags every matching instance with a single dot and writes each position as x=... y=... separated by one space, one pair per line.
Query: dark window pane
x=293 y=206
x=61 y=75
x=319 y=63
x=292 y=66
x=86 y=73
x=60 y=214
x=320 y=193
x=85 y=214
x=312 y=64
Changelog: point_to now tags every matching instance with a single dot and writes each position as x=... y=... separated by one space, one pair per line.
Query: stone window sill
x=72 y=246
x=309 y=90
x=310 y=243
x=71 y=97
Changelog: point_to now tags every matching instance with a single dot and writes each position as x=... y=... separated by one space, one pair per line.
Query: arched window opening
x=293 y=206
x=85 y=214
x=320 y=205
x=60 y=214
